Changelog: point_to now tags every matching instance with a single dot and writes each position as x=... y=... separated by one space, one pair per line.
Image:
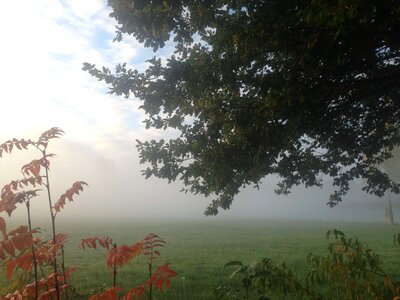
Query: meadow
x=199 y=250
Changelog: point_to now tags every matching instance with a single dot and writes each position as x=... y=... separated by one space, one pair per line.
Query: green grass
x=199 y=250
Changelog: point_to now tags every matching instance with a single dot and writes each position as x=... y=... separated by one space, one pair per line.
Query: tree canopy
x=299 y=89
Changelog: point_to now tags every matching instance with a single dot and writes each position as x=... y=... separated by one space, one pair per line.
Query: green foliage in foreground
x=351 y=270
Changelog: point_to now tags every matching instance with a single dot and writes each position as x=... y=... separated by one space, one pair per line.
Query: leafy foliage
x=46 y=286
x=263 y=277
x=121 y=255
x=16 y=252
x=35 y=165
x=3 y=227
x=91 y=242
x=45 y=137
x=110 y=294
x=74 y=190
x=299 y=89
x=10 y=199
x=396 y=239
x=18 y=239
x=351 y=267
x=135 y=293
x=162 y=277
x=19 y=248
x=150 y=244
x=351 y=270
x=8 y=146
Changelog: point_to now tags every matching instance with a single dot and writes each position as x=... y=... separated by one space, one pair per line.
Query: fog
x=117 y=191
x=99 y=146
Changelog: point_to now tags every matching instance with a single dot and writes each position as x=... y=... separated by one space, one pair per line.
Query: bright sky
x=42 y=85
x=44 y=44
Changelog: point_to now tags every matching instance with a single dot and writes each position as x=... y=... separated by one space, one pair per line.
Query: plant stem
x=151 y=285
x=53 y=225
x=28 y=207
x=41 y=271
x=63 y=269
x=150 y=273
x=115 y=269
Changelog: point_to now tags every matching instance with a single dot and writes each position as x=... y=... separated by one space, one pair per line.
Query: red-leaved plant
x=119 y=256
x=21 y=248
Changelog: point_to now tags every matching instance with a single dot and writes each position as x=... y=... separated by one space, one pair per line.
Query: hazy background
x=42 y=85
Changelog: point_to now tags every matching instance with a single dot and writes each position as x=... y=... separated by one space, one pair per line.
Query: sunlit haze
x=44 y=44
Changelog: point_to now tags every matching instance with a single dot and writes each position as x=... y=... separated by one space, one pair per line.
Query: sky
x=44 y=44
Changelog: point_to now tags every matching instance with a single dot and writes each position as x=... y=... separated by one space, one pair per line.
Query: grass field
x=199 y=250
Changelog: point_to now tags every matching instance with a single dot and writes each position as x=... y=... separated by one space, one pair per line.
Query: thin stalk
x=151 y=285
x=184 y=287
x=53 y=225
x=41 y=271
x=115 y=270
x=150 y=274
x=63 y=269
x=28 y=207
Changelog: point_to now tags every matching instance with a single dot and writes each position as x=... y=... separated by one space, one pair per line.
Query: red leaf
x=68 y=273
x=24 y=261
x=93 y=244
x=54 y=132
x=35 y=165
x=17 y=143
x=122 y=255
x=25 y=144
x=17 y=295
x=2 y=254
x=150 y=242
x=14 y=185
x=50 y=294
x=137 y=248
x=76 y=187
x=8 y=247
x=110 y=294
x=32 y=168
x=10 y=266
x=136 y=292
x=162 y=277
x=90 y=242
x=105 y=242
x=19 y=230
x=5 y=146
x=22 y=241
x=29 y=290
x=10 y=147
x=3 y=226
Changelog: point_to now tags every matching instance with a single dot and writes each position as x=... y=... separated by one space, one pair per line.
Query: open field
x=199 y=250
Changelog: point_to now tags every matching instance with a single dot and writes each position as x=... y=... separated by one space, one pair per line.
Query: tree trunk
x=389 y=212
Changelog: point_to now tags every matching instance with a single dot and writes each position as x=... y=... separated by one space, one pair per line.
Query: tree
x=391 y=167
x=299 y=89
x=389 y=212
